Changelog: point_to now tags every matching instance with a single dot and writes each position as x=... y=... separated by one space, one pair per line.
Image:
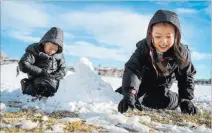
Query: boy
x=45 y=65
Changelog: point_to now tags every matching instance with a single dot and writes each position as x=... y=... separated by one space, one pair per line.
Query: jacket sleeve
x=185 y=78
x=133 y=69
x=62 y=70
x=26 y=64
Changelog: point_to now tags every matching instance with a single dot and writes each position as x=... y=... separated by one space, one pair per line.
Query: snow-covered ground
x=93 y=97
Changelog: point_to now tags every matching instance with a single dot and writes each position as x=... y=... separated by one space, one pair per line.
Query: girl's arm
x=133 y=68
x=185 y=78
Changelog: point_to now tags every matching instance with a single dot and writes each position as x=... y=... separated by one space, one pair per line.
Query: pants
x=41 y=86
x=168 y=101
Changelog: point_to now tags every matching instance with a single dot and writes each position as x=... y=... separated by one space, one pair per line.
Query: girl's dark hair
x=160 y=66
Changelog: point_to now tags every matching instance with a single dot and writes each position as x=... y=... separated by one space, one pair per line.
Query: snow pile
x=84 y=90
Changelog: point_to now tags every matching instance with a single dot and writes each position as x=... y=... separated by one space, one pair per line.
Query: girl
x=159 y=59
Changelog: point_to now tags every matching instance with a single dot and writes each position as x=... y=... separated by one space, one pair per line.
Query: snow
x=93 y=97
x=58 y=128
x=28 y=124
x=133 y=123
x=45 y=118
x=3 y=125
x=67 y=119
x=202 y=129
x=2 y=107
x=145 y=119
x=114 y=81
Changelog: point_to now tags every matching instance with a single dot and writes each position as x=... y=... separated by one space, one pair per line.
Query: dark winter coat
x=33 y=63
x=140 y=73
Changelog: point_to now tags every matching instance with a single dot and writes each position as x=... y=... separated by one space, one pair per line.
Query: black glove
x=56 y=75
x=44 y=73
x=44 y=59
x=127 y=101
x=44 y=56
x=188 y=107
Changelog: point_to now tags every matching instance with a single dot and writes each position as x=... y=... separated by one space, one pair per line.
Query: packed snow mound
x=84 y=67
x=77 y=91
x=85 y=85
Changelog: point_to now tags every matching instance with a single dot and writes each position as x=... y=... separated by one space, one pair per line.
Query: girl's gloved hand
x=127 y=101
x=188 y=107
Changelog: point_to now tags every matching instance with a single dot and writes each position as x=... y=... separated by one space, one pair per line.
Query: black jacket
x=32 y=63
x=140 y=73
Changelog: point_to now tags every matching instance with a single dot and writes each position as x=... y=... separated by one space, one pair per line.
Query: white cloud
x=208 y=10
x=85 y=49
x=201 y=66
x=186 y=10
x=119 y=28
x=22 y=15
x=113 y=27
x=68 y=35
x=24 y=36
x=163 y=3
x=200 y=56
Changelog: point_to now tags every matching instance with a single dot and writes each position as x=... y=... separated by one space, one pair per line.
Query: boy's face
x=50 y=48
x=163 y=35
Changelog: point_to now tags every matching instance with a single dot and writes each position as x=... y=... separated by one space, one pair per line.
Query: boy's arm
x=61 y=72
x=26 y=65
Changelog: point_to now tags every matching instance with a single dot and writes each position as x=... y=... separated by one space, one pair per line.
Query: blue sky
x=103 y=32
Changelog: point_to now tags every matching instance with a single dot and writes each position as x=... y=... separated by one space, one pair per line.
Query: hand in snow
x=127 y=101
x=188 y=107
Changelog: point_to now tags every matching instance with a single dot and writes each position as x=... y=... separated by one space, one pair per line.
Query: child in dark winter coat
x=159 y=59
x=45 y=65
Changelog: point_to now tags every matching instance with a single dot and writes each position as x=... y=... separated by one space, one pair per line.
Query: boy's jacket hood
x=54 y=35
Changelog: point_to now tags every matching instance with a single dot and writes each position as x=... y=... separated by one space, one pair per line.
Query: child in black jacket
x=45 y=65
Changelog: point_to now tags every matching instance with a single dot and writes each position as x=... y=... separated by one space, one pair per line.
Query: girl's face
x=50 y=48
x=163 y=35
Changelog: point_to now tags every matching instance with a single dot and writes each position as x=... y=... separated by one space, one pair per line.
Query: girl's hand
x=188 y=107
x=127 y=101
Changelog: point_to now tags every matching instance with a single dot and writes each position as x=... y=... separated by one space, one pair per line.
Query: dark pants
x=40 y=86
x=169 y=101
x=155 y=101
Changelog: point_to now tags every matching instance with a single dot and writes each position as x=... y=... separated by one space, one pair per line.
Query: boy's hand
x=188 y=107
x=44 y=59
x=127 y=101
x=44 y=56
x=56 y=75
x=44 y=73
